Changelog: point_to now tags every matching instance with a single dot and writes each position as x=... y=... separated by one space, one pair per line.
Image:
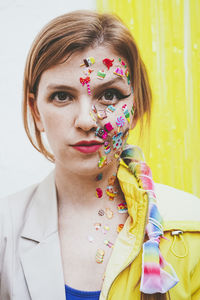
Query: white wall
x=20 y=20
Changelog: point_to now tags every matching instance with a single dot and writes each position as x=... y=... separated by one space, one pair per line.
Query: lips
x=87 y=146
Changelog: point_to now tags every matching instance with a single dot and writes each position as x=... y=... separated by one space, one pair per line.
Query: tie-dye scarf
x=157 y=275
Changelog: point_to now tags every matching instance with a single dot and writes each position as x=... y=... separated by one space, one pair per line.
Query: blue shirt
x=73 y=294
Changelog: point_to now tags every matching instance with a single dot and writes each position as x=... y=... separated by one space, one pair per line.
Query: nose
x=85 y=118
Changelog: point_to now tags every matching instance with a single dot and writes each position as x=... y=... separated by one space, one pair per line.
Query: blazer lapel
x=39 y=245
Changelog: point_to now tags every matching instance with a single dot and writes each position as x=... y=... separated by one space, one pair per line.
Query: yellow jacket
x=181 y=213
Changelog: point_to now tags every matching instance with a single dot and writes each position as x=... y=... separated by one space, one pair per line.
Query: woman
x=92 y=229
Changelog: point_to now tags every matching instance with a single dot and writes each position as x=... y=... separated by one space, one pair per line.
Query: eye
x=112 y=95
x=61 y=97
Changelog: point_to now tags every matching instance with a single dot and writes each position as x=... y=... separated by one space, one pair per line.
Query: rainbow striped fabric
x=157 y=275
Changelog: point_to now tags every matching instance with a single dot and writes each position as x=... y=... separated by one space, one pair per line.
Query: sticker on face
x=86 y=81
x=100 y=132
x=122 y=208
x=132 y=110
x=122 y=63
x=101 y=75
x=99 y=192
x=117 y=141
x=94 y=109
x=111 y=179
x=107 y=148
x=110 y=108
x=88 y=62
x=120 y=121
x=108 y=62
x=127 y=76
x=126 y=112
x=119 y=72
x=110 y=192
x=102 y=162
x=101 y=114
x=99 y=177
x=108 y=127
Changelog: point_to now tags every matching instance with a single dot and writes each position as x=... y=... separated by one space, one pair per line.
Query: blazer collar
x=42 y=219
x=40 y=246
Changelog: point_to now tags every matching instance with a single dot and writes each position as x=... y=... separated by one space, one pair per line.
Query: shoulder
x=177 y=206
x=16 y=205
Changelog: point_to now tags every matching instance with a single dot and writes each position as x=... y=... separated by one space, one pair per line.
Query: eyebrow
x=60 y=87
x=108 y=83
x=97 y=87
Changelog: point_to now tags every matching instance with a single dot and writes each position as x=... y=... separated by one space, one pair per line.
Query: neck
x=79 y=191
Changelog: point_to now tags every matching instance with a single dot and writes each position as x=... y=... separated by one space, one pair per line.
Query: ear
x=34 y=111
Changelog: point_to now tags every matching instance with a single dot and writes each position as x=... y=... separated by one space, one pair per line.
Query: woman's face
x=85 y=109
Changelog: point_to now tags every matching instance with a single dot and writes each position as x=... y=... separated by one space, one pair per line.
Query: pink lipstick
x=87 y=146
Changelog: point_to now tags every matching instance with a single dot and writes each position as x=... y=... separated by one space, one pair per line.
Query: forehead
x=72 y=69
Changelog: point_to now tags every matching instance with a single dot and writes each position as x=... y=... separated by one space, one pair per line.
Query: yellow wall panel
x=168 y=35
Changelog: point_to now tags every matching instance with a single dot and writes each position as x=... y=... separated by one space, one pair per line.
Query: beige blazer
x=30 y=258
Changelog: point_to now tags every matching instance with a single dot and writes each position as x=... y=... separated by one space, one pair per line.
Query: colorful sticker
x=101 y=74
x=110 y=108
x=120 y=227
x=126 y=112
x=120 y=121
x=122 y=208
x=101 y=212
x=108 y=243
x=108 y=62
x=99 y=192
x=122 y=63
x=108 y=127
x=94 y=109
x=101 y=114
x=86 y=81
x=105 y=229
x=127 y=76
x=107 y=148
x=99 y=177
x=97 y=226
x=88 y=62
x=102 y=162
x=109 y=213
x=100 y=132
x=117 y=141
x=110 y=192
x=119 y=72
x=111 y=179
x=93 y=117
x=132 y=110
x=87 y=72
x=99 y=256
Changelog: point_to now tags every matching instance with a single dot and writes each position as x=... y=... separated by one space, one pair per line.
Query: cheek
x=55 y=123
x=117 y=125
x=121 y=118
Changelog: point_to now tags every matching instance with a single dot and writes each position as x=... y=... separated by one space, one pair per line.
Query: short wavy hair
x=73 y=32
